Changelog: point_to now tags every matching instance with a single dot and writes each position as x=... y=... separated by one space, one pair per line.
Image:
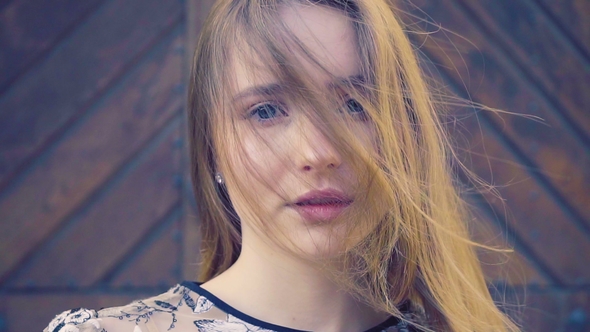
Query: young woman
x=322 y=179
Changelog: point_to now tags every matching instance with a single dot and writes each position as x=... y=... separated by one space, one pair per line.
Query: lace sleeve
x=75 y=320
x=84 y=320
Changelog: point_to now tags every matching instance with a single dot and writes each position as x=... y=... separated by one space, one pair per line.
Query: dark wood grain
x=101 y=236
x=29 y=29
x=4 y=3
x=538 y=47
x=506 y=265
x=556 y=155
x=536 y=212
x=547 y=148
x=535 y=216
x=572 y=15
x=158 y=262
x=53 y=94
x=551 y=309
x=191 y=235
x=100 y=144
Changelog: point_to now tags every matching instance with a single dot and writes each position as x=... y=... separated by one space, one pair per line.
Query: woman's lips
x=320 y=212
x=321 y=205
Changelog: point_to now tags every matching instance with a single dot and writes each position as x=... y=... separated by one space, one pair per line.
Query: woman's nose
x=317 y=152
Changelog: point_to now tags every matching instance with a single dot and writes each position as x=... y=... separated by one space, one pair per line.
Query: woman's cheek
x=264 y=161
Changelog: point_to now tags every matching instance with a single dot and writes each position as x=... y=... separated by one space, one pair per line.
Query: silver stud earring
x=219 y=178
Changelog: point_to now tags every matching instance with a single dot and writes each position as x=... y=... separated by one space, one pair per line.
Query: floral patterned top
x=185 y=307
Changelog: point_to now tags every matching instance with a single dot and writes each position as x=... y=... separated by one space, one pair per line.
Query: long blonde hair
x=418 y=247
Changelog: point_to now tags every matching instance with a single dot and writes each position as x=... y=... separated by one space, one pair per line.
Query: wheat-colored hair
x=415 y=245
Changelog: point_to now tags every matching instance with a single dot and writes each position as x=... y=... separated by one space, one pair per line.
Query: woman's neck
x=280 y=289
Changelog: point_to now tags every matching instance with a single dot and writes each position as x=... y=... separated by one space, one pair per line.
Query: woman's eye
x=267 y=112
x=354 y=108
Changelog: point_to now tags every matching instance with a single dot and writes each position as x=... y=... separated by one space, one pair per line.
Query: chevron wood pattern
x=94 y=189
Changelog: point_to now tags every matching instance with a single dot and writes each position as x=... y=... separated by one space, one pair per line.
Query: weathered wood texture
x=572 y=17
x=197 y=12
x=52 y=96
x=32 y=28
x=95 y=201
x=110 y=133
x=550 y=309
x=91 y=154
x=121 y=217
x=529 y=58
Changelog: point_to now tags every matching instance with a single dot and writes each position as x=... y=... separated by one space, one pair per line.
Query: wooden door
x=95 y=202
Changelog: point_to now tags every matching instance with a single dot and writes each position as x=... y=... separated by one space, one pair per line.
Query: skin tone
x=283 y=159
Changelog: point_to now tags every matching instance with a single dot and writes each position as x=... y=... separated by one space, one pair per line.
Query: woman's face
x=280 y=158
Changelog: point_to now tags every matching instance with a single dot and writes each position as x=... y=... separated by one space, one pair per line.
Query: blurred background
x=95 y=198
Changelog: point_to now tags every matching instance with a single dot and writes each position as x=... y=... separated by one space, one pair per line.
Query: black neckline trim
x=196 y=287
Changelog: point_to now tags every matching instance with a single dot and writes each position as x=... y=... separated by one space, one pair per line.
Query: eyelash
x=255 y=112
x=352 y=102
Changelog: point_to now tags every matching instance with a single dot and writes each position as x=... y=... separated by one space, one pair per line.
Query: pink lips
x=321 y=205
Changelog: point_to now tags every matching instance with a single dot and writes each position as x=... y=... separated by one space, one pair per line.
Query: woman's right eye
x=267 y=113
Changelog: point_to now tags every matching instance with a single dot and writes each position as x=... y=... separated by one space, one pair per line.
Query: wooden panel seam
x=61 y=37
x=30 y=161
x=555 y=104
x=560 y=30
x=513 y=237
x=152 y=235
x=522 y=159
x=70 y=220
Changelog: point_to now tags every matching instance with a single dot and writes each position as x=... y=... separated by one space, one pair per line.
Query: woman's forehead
x=326 y=33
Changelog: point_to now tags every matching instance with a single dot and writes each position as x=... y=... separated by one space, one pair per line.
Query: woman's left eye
x=267 y=112
x=354 y=108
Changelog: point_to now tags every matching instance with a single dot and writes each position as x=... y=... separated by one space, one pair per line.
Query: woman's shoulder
x=158 y=313
x=88 y=320
x=185 y=307
x=69 y=320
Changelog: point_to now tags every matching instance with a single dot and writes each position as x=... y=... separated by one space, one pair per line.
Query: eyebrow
x=275 y=88
x=270 y=89
x=354 y=80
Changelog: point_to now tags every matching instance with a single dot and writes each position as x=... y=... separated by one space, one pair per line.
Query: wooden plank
x=573 y=16
x=510 y=268
x=34 y=311
x=550 y=309
x=55 y=93
x=534 y=216
x=191 y=236
x=197 y=13
x=31 y=28
x=159 y=262
x=576 y=311
x=4 y=3
x=88 y=156
x=490 y=78
x=102 y=234
x=534 y=41
x=542 y=312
